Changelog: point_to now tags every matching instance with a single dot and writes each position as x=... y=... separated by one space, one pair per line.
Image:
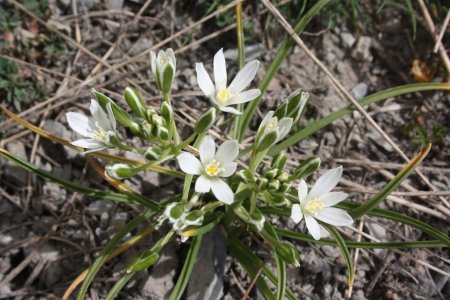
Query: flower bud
x=163 y=68
x=282 y=176
x=149 y=114
x=245 y=175
x=296 y=104
x=205 y=121
x=152 y=153
x=288 y=253
x=285 y=186
x=258 y=220
x=166 y=113
x=122 y=117
x=119 y=171
x=174 y=211
x=267 y=141
x=281 y=111
x=163 y=133
x=137 y=130
x=142 y=261
x=274 y=185
x=194 y=218
x=307 y=167
x=271 y=174
x=262 y=183
x=135 y=101
x=279 y=200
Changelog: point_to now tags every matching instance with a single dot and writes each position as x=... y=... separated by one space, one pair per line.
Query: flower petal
x=100 y=116
x=296 y=213
x=112 y=119
x=207 y=150
x=203 y=184
x=334 y=216
x=88 y=143
x=265 y=120
x=333 y=198
x=302 y=191
x=244 y=77
x=313 y=227
x=222 y=191
x=189 y=164
x=229 y=169
x=79 y=122
x=326 y=182
x=284 y=126
x=227 y=152
x=244 y=97
x=220 y=70
x=203 y=80
x=230 y=110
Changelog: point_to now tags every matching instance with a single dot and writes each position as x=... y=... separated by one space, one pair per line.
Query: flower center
x=273 y=124
x=213 y=168
x=314 y=206
x=162 y=61
x=100 y=134
x=224 y=95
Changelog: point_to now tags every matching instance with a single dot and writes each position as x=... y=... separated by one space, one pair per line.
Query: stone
x=208 y=280
x=54 y=193
x=362 y=50
x=118 y=220
x=347 y=39
x=376 y=137
x=12 y=172
x=359 y=91
x=97 y=207
x=114 y=4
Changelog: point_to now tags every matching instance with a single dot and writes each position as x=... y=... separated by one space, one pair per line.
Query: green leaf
x=282 y=52
x=167 y=78
x=314 y=126
x=118 y=286
x=142 y=261
x=108 y=250
x=343 y=246
x=210 y=224
x=393 y=184
x=187 y=269
x=268 y=140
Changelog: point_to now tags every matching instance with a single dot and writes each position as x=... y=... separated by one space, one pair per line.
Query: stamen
x=314 y=206
x=213 y=168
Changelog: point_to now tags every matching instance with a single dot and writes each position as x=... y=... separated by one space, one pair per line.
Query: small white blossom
x=222 y=96
x=271 y=123
x=159 y=63
x=211 y=166
x=317 y=204
x=98 y=129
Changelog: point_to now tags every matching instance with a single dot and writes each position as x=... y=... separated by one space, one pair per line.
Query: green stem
x=173 y=126
x=241 y=60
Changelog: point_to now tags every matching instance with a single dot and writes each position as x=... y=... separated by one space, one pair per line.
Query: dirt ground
x=49 y=235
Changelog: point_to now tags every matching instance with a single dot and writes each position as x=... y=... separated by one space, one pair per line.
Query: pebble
x=97 y=207
x=362 y=50
x=359 y=91
x=347 y=39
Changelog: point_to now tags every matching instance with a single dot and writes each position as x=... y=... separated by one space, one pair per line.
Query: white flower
x=159 y=64
x=271 y=123
x=221 y=95
x=98 y=130
x=211 y=167
x=317 y=203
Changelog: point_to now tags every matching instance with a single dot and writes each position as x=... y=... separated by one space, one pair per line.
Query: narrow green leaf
x=108 y=250
x=314 y=126
x=394 y=183
x=187 y=269
x=205 y=228
x=118 y=286
x=281 y=265
x=343 y=246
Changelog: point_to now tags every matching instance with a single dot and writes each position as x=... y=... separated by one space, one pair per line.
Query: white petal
x=227 y=152
x=99 y=115
x=112 y=119
x=171 y=55
x=266 y=120
x=203 y=80
x=284 y=126
x=222 y=191
x=326 y=182
x=229 y=169
x=153 y=61
x=203 y=184
x=313 y=227
x=189 y=163
x=334 y=216
x=220 y=70
x=230 y=110
x=88 y=143
x=244 y=97
x=333 y=198
x=207 y=150
x=296 y=213
x=244 y=77
x=302 y=191
x=79 y=122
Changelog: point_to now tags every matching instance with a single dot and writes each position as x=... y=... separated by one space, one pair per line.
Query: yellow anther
x=272 y=124
x=314 y=206
x=224 y=95
x=213 y=168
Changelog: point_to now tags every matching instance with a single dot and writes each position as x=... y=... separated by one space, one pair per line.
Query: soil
x=49 y=235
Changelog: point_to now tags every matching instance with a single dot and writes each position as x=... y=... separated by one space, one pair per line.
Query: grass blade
x=314 y=126
x=187 y=269
x=394 y=183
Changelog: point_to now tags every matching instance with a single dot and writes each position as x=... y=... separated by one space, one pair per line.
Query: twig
x=441 y=34
x=432 y=30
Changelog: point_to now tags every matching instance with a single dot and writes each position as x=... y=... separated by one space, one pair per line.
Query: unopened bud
x=307 y=167
x=142 y=261
x=122 y=117
x=205 y=121
x=135 y=101
x=119 y=171
x=288 y=253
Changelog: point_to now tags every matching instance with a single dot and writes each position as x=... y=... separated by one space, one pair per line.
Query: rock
x=5 y=240
x=54 y=193
x=150 y=180
x=209 y=268
x=118 y=220
x=55 y=150
x=379 y=232
x=13 y=173
x=347 y=39
x=362 y=50
x=359 y=90
x=104 y=218
x=97 y=207
x=114 y=4
x=160 y=283
x=376 y=137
